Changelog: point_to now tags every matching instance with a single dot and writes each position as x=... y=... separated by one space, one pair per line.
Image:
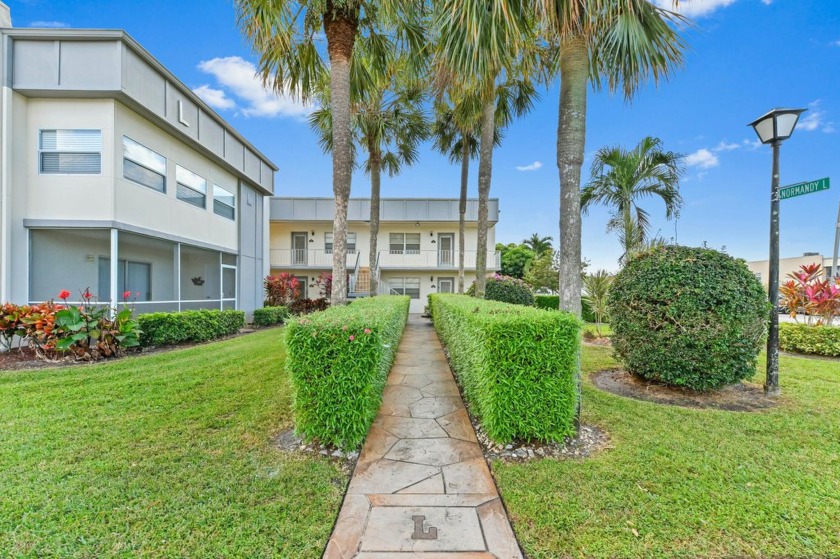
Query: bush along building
x=417 y=245
x=115 y=177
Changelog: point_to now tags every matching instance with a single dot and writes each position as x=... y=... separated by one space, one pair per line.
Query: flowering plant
x=806 y=292
x=281 y=290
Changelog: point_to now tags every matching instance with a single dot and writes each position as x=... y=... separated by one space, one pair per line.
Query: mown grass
x=168 y=455
x=691 y=483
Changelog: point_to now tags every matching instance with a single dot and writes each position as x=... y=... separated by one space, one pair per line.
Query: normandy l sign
x=803 y=188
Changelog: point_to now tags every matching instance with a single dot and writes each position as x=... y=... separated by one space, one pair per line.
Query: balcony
x=433 y=260
x=306 y=258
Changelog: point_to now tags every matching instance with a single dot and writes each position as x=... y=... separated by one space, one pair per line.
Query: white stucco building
x=417 y=243
x=115 y=177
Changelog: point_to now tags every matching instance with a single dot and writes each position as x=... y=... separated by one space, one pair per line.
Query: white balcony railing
x=433 y=259
x=306 y=258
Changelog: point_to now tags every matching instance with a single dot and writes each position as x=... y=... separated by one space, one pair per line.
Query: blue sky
x=746 y=57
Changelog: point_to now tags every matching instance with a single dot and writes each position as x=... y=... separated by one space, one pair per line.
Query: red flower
x=351 y=338
x=126 y=294
x=367 y=330
x=87 y=295
x=63 y=294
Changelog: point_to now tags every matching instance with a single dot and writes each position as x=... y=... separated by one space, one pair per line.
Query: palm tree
x=480 y=43
x=597 y=287
x=538 y=244
x=284 y=34
x=621 y=178
x=622 y=43
x=388 y=123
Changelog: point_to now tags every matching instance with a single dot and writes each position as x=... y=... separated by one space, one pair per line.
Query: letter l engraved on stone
x=419 y=533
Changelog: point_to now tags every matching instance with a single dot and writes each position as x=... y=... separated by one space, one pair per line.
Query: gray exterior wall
x=252 y=248
x=391 y=209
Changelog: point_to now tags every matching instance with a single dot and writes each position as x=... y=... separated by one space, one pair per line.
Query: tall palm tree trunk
x=375 y=176
x=462 y=210
x=571 y=139
x=340 y=29
x=485 y=172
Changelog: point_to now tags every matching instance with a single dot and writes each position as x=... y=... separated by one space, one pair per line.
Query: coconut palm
x=538 y=244
x=621 y=178
x=388 y=124
x=480 y=46
x=618 y=43
x=284 y=33
x=597 y=287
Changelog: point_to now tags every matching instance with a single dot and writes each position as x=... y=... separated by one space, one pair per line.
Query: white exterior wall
x=138 y=205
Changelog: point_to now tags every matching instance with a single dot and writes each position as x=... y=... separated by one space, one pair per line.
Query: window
x=758 y=276
x=351 y=243
x=405 y=243
x=131 y=276
x=70 y=152
x=192 y=189
x=405 y=286
x=224 y=202
x=143 y=166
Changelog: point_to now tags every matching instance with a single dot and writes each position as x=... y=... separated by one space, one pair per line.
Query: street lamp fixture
x=774 y=128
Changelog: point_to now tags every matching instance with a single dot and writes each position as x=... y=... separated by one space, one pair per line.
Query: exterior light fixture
x=774 y=128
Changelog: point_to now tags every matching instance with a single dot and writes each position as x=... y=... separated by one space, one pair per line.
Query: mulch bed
x=738 y=397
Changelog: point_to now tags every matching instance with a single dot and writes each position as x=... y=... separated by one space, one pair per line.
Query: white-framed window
x=224 y=202
x=192 y=189
x=758 y=276
x=405 y=286
x=70 y=152
x=404 y=243
x=143 y=166
x=351 y=243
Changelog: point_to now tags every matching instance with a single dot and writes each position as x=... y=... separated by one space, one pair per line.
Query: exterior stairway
x=362 y=286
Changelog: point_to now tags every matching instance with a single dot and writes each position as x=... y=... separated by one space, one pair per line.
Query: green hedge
x=552 y=303
x=168 y=328
x=269 y=316
x=338 y=361
x=517 y=365
x=816 y=340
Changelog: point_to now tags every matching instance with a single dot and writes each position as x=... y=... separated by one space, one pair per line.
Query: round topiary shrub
x=689 y=317
x=507 y=290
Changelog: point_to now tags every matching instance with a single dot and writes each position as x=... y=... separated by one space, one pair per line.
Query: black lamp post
x=774 y=128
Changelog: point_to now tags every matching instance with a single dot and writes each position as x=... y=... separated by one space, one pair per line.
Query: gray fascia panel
x=391 y=209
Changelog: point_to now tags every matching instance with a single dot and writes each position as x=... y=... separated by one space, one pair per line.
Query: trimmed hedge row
x=168 y=328
x=552 y=303
x=517 y=365
x=269 y=316
x=816 y=340
x=338 y=361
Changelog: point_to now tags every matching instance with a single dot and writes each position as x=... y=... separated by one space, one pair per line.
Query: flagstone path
x=421 y=488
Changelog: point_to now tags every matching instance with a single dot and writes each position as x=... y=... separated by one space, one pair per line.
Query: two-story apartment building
x=115 y=177
x=417 y=243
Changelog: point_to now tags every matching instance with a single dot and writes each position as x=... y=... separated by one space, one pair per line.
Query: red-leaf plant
x=806 y=292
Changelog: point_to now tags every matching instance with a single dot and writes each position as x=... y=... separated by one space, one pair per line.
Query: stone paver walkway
x=421 y=487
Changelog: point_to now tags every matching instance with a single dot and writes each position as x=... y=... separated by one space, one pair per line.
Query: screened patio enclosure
x=161 y=275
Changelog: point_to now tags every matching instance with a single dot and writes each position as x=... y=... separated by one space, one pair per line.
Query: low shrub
x=269 y=316
x=306 y=306
x=815 y=340
x=338 y=361
x=516 y=365
x=169 y=328
x=689 y=317
x=507 y=290
x=281 y=290
x=552 y=303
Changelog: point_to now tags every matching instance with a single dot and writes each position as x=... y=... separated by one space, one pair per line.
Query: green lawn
x=167 y=455
x=691 y=483
x=592 y=327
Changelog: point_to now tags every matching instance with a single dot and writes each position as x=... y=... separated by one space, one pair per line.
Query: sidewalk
x=421 y=487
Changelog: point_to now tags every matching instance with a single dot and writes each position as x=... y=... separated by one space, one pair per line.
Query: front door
x=299 y=256
x=446 y=249
x=446 y=285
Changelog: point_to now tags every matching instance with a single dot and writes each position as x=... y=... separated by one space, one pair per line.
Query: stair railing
x=355 y=277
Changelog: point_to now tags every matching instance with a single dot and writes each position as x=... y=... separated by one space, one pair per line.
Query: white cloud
x=532 y=167
x=815 y=119
x=694 y=8
x=51 y=24
x=752 y=145
x=239 y=78
x=702 y=158
x=766 y=2
x=835 y=43
x=216 y=98
x=726 y=146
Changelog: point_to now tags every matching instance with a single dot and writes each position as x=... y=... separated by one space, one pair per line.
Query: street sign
x=803 y=188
